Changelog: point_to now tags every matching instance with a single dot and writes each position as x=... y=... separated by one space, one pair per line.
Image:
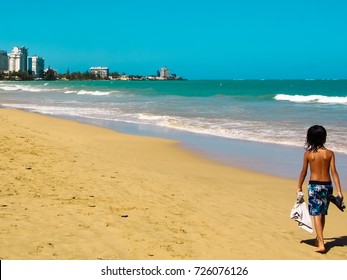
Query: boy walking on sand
x=321 y=162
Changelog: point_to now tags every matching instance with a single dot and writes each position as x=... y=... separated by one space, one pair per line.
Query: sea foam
x=311 y=98
x=94 y=92
x=25 y=88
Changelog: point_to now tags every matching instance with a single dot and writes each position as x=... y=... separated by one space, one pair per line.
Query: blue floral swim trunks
x=318 y=194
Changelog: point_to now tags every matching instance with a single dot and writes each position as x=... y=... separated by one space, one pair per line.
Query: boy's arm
x=303 y=173
x=335 y=175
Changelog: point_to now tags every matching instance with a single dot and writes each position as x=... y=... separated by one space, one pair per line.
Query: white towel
x=300 y=213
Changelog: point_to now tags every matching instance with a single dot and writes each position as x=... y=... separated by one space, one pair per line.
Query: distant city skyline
x=195 y=39
x=19 y=60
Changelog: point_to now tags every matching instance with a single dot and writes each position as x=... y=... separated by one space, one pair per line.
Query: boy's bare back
x=320 y=163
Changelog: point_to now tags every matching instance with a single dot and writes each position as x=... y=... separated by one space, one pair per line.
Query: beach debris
x=4 y=205
x=28 y=168
x=124 y=216
x=151 y=255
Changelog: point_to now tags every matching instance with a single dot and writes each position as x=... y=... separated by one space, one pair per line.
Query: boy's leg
x=319 y=222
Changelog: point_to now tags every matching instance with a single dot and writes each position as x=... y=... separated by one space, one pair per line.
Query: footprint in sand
x=41 y=249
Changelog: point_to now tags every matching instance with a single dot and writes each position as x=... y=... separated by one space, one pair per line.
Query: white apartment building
x=164 y=73
x=3 y=61
x=102 y=71
x=18 y=59
x=36 y=65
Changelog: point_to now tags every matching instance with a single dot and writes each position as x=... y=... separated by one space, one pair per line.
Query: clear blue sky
x=196 y=39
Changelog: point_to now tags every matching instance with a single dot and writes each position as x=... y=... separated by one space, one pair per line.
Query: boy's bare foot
x=321 y=249
x=320 y=246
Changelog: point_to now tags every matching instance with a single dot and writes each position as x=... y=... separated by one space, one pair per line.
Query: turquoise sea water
x=258 y=124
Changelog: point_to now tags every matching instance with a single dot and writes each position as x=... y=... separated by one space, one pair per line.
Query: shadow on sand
x=329 y=242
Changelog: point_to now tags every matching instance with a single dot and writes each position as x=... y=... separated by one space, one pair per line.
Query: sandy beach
x=75 y=191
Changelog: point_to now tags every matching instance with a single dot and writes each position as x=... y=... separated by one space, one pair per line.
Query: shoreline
x=146 y=124
x=78 y=191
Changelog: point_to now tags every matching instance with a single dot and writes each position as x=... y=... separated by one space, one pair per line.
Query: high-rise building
x=18 y=60
x=164 y=73
x=102 y=71
x=36 y=65
x=3 y=61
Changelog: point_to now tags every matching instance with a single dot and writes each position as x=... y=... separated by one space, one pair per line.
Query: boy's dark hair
x=316 y=137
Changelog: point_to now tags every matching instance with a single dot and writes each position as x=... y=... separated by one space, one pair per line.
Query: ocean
x=256 y=124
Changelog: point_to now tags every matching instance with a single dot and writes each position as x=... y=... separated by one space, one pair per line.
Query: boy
x=322 y=162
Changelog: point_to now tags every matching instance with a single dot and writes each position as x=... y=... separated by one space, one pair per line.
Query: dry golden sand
x=74 y=191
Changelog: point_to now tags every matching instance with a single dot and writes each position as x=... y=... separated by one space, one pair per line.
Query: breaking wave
x=312 y=99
